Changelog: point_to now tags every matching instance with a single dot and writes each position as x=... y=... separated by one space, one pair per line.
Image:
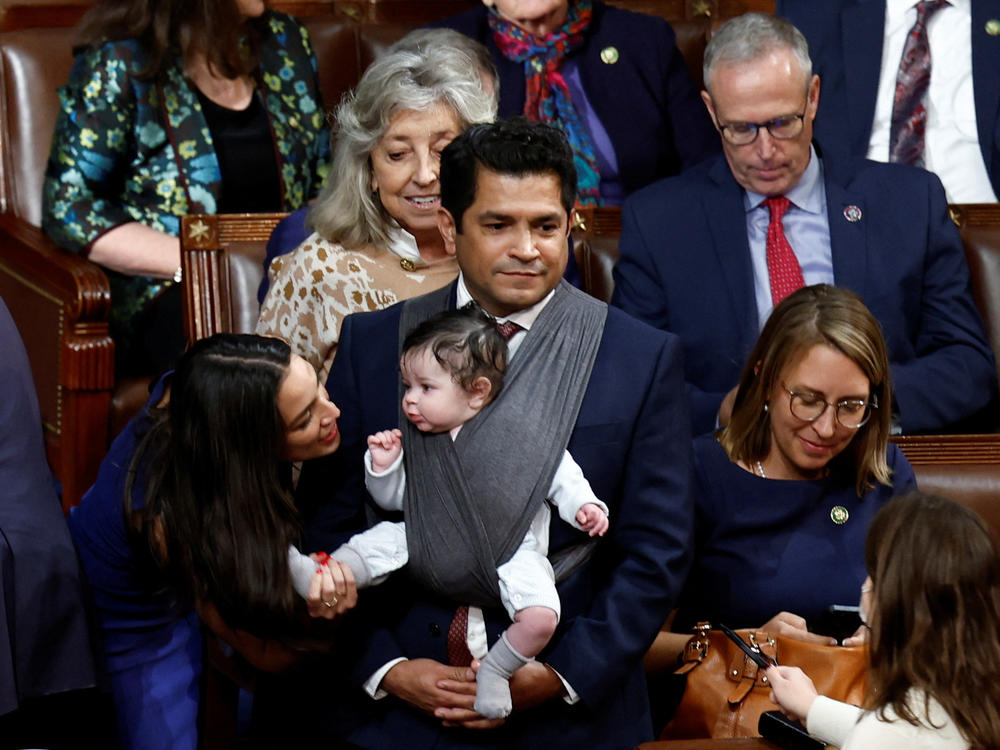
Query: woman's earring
x=767 y=405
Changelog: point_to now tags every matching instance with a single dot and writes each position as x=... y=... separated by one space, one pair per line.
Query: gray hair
x=751 y=36
x=449 y=40
x=347 y=211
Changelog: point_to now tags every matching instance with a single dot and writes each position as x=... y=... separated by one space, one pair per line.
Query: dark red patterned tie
x=507 y=329
x=909 y=107
x=458 y=639
x=783 y=268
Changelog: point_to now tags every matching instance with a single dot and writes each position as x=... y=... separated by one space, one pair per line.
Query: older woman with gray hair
x=375 y=238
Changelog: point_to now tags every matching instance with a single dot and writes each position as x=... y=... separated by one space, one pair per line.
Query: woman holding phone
x=785 y=492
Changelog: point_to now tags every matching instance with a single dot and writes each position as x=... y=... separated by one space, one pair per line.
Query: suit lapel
x=848 y=239
x=726 y=216
x=861 y=30
x=985 y=80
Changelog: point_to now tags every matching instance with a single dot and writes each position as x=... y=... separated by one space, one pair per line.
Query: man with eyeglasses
x=707 y=254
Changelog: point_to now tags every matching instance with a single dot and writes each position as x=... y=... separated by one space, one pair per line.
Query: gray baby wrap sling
x=469 y=501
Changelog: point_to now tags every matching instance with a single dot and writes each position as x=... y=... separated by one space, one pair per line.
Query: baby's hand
x=591 y=518
x=385 y=447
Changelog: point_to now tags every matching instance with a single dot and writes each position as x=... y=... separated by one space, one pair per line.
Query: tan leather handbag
x=726 y=691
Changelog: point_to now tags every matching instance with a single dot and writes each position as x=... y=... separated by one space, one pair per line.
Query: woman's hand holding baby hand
x=332 y=590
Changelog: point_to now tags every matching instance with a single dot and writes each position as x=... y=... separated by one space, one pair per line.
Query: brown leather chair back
x=692 y=37
x=375 y=38
x=335 y=42
x=33 y=65
x=596 y=232
x=975 y=486
x=963 y=468
x=979 y=225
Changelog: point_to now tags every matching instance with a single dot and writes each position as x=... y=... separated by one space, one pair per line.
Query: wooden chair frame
x=60 y=303
x=208 y=304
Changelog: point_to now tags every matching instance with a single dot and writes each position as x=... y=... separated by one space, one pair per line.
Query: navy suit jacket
x=632 y=441
x=646 y=100
x=685 y=267
x=845 y=42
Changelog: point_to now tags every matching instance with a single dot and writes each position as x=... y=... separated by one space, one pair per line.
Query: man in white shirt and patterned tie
x=859 y=49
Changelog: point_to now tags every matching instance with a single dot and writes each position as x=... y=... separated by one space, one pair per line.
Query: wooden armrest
x=71 y=277
x=60 y=303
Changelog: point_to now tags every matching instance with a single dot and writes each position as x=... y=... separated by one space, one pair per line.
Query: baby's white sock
x=493 y=679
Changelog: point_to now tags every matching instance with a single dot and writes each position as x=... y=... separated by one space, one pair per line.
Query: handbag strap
x=695 y=649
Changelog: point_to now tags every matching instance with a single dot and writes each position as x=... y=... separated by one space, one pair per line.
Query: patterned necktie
x=783 y=268
x=909 y=107
x=507 y=329
x=458 y=634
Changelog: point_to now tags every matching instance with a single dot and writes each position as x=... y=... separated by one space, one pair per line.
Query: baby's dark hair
x=466 y=343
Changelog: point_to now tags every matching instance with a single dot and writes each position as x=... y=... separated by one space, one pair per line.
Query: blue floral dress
x=128 y=149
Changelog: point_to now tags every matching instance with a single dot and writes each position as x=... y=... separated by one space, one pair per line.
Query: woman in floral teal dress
x=214 y=111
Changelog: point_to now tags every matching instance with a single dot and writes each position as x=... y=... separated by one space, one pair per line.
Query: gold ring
x=327 y=604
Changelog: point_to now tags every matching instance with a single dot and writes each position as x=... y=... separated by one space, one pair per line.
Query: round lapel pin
x=609 y=55
x=993 y=27
x=852 y=214
x=839 y=515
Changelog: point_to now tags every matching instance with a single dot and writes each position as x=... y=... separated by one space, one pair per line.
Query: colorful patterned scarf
x=547 y=96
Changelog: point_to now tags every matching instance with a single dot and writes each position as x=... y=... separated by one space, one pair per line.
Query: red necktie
x=458 y=635
x=909 y=107
x=782 y=266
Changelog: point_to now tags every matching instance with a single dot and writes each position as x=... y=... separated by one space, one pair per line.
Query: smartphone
x=840 y=621
x=755 y=655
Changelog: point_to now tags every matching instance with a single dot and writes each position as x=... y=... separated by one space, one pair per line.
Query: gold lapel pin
x=993 y=27
x=839 y=515
x=609 y=55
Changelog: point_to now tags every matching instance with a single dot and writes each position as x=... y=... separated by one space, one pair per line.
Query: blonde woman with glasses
x=784 y=494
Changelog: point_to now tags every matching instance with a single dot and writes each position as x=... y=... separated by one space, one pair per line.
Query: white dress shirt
x=951 y=143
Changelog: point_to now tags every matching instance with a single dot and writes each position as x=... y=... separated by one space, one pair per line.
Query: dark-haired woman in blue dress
x=190 y=523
